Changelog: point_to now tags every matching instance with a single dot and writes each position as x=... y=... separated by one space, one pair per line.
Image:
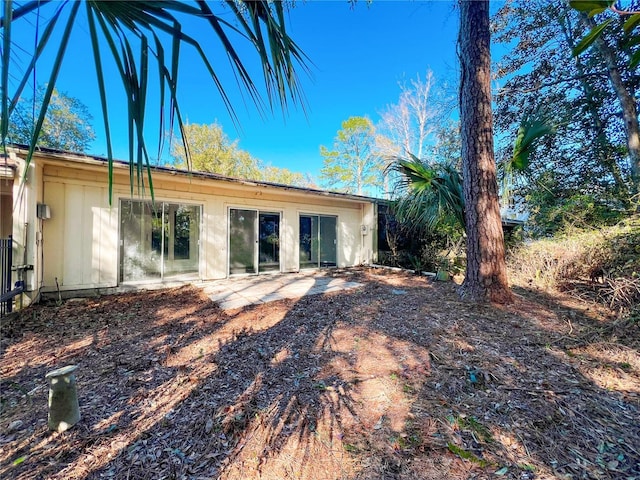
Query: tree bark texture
x=486 y=273
x=627 y=102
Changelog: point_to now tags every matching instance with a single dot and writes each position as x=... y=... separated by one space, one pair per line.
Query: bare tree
x=409 y=126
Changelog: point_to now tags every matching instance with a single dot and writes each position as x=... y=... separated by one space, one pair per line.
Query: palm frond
x=4 y=79
x=134 y=34
x=55 y=70
x=427 y=193
x=532 y=128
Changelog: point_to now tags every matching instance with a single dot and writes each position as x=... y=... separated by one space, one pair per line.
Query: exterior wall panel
x=53 y=232
x=80 y=239
x=289 y=239
x=76 y=246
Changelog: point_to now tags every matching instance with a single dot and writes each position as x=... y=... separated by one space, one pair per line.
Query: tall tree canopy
x=66 y=126
x=588 y=161
x=211 y=150
x=616 y=59
x=144 y=40
x=352 y=165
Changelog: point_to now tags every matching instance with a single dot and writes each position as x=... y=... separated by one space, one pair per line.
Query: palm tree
x=427 y=193
x=143 y=34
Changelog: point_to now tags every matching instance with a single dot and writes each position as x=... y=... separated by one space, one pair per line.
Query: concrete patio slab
x=242 y=291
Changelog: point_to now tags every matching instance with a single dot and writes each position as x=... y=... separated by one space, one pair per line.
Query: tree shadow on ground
x=395 y=380
x=509 y=392
x=170 y=378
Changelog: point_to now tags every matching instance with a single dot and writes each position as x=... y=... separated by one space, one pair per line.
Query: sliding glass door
x=158 y=243
x=242 y=241
x=318 y=244
x=269 y=242
x=254 y=241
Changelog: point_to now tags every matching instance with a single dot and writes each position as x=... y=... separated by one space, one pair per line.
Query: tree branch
x=551 y=84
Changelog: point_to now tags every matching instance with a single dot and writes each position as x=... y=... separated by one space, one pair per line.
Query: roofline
x=101 y=160
x=513 y=222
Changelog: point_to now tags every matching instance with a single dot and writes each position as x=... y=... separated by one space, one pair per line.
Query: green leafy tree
x=67 y=124
x=554 y=208
x=144 y=39
x=285 y=176
x=568 y=95
x=352 y=165
x=629 y=21
x=211 y=150
x=592 y=108
x=630 y=16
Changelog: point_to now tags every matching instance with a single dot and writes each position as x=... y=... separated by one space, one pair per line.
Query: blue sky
x=359 y=55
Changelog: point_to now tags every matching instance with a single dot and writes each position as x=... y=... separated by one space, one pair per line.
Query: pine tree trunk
x=486 y=274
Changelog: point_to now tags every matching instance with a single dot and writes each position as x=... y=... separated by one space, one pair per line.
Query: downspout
x=363 y=232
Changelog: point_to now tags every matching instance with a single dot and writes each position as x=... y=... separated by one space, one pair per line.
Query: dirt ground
x=395 y=380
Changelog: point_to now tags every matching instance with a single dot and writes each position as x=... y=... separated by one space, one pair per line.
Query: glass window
x=318 y=245
x=158 y=241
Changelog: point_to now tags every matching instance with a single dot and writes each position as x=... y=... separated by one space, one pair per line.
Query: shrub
x=608 y=259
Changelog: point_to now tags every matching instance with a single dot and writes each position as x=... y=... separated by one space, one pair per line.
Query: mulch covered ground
x=395 y=380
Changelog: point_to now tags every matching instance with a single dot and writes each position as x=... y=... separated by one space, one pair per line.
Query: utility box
x=43 y=211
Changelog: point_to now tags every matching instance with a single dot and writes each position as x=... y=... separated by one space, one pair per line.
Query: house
x=514 y=209
x=200 y=226
x=514 y=212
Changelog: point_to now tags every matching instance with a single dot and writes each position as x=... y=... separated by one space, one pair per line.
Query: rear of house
x=67 y=236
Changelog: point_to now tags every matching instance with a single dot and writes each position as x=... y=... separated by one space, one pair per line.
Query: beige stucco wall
x=80 y=242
